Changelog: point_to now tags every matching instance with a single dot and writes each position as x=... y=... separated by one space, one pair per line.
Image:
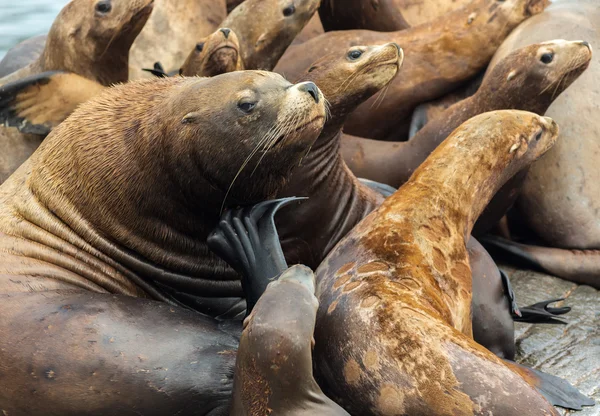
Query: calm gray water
x=22 y=19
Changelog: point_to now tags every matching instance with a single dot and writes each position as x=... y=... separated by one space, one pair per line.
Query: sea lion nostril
x=310 y=88
x=226 y=32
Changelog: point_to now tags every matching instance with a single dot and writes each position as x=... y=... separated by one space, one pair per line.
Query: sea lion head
x=216 y=54
x=245 y=130
x=349 y=78
x=271 y=29
x=92 y=38
x=549 y=67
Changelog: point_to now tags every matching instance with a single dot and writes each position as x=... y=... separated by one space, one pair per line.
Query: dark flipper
x=578 y=266
x=538 y=313
x=557 y=391
x=247 y=239
x=157 y=71
x=382 y=188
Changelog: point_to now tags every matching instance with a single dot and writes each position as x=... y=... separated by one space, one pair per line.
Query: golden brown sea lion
x=439 y=56
x=172 y=31
x=395 y=294
x=267 y=27
x=522 y=80
x=559 y=200
x=95 y=212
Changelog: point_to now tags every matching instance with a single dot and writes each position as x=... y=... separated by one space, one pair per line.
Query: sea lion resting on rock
x=439 y=56
x=528 y=79
x=139 y=229
x=395 y=293
x=559 y=201
x=88 y=38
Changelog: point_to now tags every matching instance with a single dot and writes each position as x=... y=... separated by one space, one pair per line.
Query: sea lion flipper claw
x=541 y=313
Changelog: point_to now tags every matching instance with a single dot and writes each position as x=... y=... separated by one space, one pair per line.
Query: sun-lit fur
x=219 y=54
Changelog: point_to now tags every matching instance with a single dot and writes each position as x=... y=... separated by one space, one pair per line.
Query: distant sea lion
x=267 y=27
x=559 y=200
x=139 y=229
x=439 y=56
x=379 y=15
x=22 y=54
x=395 y=293
x=172 y=31
x=523 y=80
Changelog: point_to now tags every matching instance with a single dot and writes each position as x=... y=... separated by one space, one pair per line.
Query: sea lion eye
x=312 y=68
x=200 y=46
x=354 y=55
x=538 y=136
x=288 y=11
x=547 y=57
x=103 y=6
x=246 y=106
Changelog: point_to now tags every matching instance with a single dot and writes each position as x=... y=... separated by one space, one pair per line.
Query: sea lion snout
x=311 y=89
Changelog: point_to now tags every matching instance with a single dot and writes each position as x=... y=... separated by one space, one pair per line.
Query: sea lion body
x=313 y=29
x=267 y=27
x=22 y=55
x=418 y=12
x=171 y=33
x=395 y=293
x=440 y=55
x=379 y=15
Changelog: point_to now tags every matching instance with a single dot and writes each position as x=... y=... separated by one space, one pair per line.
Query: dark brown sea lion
x=139 y=229
x=22 y=55
x=172 y=31
x=395 y=294
x=439 y=56
x=523 y=80
x=559 y=200
x=380 y=15
x=267 y=27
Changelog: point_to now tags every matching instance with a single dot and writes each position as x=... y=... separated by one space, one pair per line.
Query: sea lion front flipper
x=38 y=103
x=157 y=71
x=247 y=239
x=577 y=266
x=558 y=391
x=382 y=188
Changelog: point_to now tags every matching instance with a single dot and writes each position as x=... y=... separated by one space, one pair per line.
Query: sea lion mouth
x=281 y=138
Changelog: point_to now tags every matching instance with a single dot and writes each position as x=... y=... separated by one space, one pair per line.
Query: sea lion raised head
x=216 y=54
x=267 y=27
x=92 y=38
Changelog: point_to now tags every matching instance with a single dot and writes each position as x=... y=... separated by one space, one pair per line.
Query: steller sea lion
x=395 y=294
x=559 y=201
x=140 y=230
x=379 y=15
x=522 y=80
x=267 y=27
x=439 y=56
x=172 y=31
x=88 y=38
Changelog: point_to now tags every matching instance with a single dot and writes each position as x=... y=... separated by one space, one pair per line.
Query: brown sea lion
x=22 y=55
x=395 y=294
x=379 y=15
x=523 y=80
x=439 y=56
x=172 y=31
x=139 y=229
x=559 y=201
x=313 y=29
x=417 y=12
x=267 y=27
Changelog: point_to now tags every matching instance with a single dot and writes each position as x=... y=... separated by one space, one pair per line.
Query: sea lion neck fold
x=142 y=171
x=92 y=38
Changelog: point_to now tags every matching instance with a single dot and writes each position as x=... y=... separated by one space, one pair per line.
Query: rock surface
x=569 y=351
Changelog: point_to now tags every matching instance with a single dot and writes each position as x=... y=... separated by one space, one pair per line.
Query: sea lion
x=22 y=54
x=172 y=31
x=522 y=80
x=216 y=54
x=88 y=38
x=559 y=200
x=419 y=12
x=439 y=56
x=313 y=29
x=395 y=294
x=379 y=15
x=139 y=229
x=267 y=27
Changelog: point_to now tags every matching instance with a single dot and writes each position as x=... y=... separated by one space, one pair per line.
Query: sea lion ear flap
x=38 y=103
x=190 y=118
